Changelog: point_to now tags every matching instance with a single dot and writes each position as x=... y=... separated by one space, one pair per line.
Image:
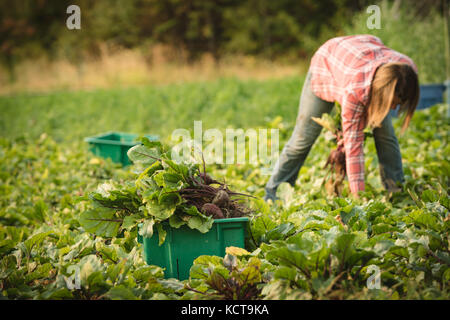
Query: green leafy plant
x=45 y=183
x=164 y=191
x=235 y=277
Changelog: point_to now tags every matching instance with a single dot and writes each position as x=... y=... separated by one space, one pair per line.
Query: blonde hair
x=393 y=83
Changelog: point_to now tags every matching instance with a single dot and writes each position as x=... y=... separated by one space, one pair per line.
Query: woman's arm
x=353 y=123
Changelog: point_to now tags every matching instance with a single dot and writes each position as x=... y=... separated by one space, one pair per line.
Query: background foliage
x=287 y=29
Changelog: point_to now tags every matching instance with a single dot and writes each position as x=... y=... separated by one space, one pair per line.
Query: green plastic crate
x=114 y=145
x=183 y=245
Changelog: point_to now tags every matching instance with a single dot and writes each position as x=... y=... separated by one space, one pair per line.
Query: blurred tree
x=27 y=29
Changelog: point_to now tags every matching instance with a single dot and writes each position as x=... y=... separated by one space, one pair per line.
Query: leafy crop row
x=308 y=245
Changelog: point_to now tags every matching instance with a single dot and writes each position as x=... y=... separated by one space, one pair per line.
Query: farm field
x=307 y=245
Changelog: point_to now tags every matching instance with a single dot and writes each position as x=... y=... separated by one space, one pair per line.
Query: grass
x=73 y=115
x=133 y=67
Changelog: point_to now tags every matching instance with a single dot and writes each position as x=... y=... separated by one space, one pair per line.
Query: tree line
x=268 y=28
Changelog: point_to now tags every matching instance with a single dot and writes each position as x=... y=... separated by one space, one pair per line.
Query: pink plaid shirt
x=342 y=70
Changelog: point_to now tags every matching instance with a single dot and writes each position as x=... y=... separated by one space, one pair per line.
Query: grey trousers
x=306 y=132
